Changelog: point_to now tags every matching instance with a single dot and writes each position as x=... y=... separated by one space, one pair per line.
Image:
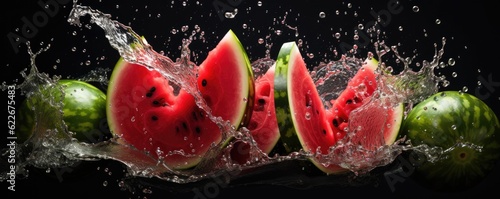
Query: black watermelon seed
x=198 y=130
x=261 y=101
x=204 y=82
x=151 y=91
x=184 y=125
x=159 y=102
x=335 y=123
x=154 y=117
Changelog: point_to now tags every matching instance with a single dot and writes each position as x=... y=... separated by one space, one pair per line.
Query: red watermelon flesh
x=145 y=111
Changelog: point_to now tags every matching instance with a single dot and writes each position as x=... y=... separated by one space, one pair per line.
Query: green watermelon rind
x=287 y=130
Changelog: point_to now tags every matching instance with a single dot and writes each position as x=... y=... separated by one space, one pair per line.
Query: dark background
x=468 y=26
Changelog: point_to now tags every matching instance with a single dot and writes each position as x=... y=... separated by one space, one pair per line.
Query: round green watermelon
x=151 y=114
x=305 y=123
x=84 y=111
x=466 y=130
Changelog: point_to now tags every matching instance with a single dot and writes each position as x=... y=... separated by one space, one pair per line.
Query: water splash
x=42 y=149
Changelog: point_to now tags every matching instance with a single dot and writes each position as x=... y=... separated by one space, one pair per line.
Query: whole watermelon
x=464 y=129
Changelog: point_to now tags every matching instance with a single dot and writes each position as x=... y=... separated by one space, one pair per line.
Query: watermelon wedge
x=263 y=125
x=146 y=112
x=306 y=125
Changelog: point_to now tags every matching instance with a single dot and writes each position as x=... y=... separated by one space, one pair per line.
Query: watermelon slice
x=149 y=114
x=306 y=124
x=225 y=79
x=263 y=125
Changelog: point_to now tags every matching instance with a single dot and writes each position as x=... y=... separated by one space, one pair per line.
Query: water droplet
x=184 y=28
x=454 y=127
x=259 y=3
x=121 y=183
x=438 y=21
x=400 y=28
x=337 y=35
x=465 y=89
x=260 y=41
x=454 y=74
x=361 y=27
x=322 y=15
x=105 y=183
x=132 y=119
x=451 y=61
x=442 y=65
x=415 y=9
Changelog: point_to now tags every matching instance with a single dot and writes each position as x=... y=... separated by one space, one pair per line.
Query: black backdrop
x=468 y=26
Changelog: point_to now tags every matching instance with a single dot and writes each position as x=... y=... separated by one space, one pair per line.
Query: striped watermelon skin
x=83 y=110
x=281 y=98
x=465 y=128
